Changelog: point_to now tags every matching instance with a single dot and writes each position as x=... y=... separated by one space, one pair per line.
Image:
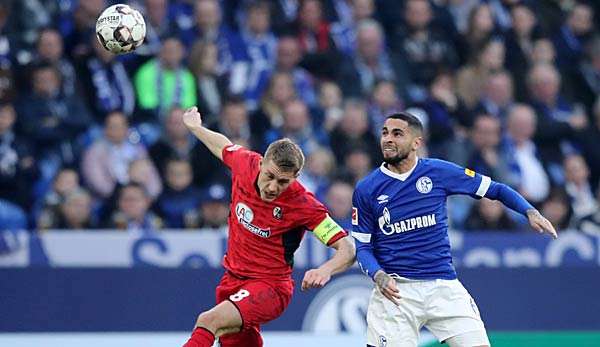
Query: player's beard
x=395 y=160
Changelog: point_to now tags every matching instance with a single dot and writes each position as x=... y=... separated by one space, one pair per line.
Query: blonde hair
x=286 y=155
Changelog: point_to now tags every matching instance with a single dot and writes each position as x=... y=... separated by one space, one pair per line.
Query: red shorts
x=258 y=300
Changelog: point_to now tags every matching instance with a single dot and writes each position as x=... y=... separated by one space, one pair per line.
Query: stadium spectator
x=106 y=163
x=47 y=211
x=80 y=27
x=559 y=120
x=287 y=61
x=250 y=74
x=471 y=78
x=353 y=131
x=339 y=203
x=480 y=27
x=330 y=104
x=589 y=146
x=51 y=120
x=105 y=82
x=384 y=100
x=358 y=163
x=18 y=167
x=208 y=26
x=425 y=48
x=520 y=41
x=158 y=25
x=313 y=32
x=350 y=14
x=586 y=80
x=446 y=114
x=488 y=214
x=497 y=96
x=164 y=82
x=556 y=207
x=527 y=170
x=144 y=173
x=49 y=48
x=485 y=157
x=590 y=224
x=315 y=177
x=211 y=88
x=359 y=73
x=132 y=213
x=269 y=116
x=234 y=123
x=74 y=212
x=297 y=125
x=178 y=202
x=543 y=53
x=578 y=186
x=573 y=35
x=214 y=207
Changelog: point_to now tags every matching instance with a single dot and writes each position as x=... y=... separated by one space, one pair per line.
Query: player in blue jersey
x=401 y=231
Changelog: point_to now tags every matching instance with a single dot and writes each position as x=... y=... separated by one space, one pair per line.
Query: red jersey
x=263 y=235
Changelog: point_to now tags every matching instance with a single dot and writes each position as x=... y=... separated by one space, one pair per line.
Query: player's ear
x=417 y=141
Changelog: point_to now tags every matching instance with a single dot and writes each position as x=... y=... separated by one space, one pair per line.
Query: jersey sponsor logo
x=245 y=216
x=469 y=172
x=354 y=216
x=233 y=148
x=424 y=185
x=277 y=213
x=409 y=224
x=382 y=199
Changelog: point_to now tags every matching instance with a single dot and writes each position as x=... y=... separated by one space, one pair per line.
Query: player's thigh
x=249 y=337
x=391 y=325
x=259 y=301
x=469 y=339
x=452 y=311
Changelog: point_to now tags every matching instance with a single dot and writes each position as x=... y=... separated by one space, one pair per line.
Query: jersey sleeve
x=459 y=180
x=320 y=223
x=363 y=225
x=238 y=158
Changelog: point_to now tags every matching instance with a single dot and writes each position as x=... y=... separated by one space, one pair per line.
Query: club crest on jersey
x=424 y=185
x=382 y=341
x=277 y=212
x=245 y=216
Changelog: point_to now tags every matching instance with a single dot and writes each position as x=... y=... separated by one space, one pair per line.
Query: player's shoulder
x=438 y=164
x=366 y=183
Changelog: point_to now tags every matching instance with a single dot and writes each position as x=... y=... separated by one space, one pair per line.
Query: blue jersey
x=402 y=219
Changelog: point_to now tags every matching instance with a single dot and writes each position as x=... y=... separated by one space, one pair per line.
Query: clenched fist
x=192 y=118
x=315 y=278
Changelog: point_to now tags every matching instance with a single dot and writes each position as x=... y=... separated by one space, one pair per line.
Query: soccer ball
x=120 y=29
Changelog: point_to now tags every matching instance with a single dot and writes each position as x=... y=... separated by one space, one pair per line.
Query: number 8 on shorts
x=241 y=294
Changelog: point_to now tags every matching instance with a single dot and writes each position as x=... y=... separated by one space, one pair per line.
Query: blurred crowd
x=89 y=140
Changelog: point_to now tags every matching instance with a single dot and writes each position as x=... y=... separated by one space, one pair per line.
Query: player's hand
x=315 y=278
x=540 y=223
x=387 y=286
x=192 y=118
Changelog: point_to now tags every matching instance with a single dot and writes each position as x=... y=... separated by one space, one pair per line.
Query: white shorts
x=444 y=307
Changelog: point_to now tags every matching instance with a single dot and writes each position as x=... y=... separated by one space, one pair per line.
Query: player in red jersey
x=270 y=212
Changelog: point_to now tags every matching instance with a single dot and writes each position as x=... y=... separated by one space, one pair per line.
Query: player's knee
x=209 y=320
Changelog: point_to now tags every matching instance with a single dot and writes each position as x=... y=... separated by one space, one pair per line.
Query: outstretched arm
x=344 y=257
x=515 y=201
x=211 y=139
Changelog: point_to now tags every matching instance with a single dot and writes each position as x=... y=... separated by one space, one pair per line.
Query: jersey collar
x=401 y=177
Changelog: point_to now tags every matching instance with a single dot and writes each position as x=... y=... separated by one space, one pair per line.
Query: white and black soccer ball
x=120 y=29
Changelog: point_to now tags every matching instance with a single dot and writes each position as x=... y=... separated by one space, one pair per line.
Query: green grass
x=541 y=339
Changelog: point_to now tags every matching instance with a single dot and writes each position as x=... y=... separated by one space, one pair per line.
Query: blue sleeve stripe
x=483 y=186
x=362 y=237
